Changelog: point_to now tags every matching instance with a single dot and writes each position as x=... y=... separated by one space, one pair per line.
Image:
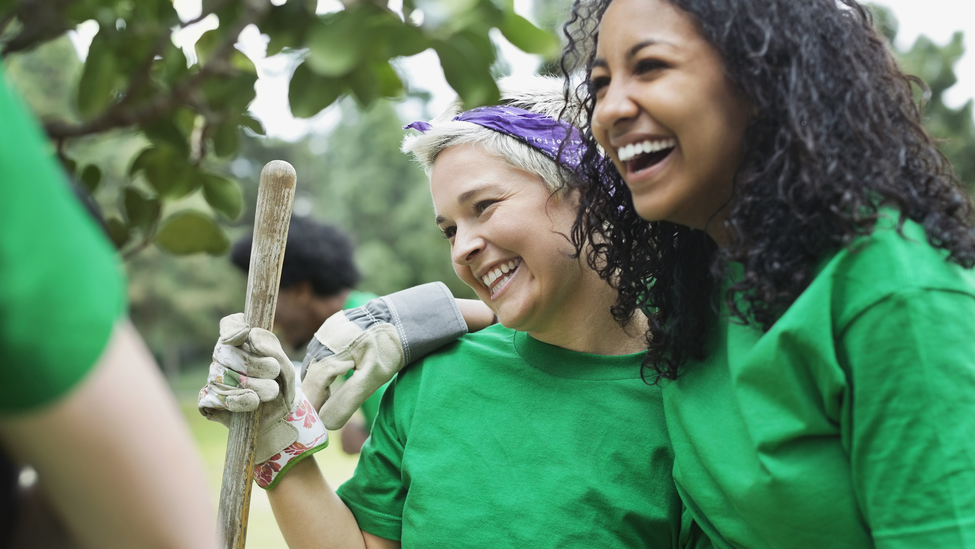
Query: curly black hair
x=317 y=253
x=837 y=137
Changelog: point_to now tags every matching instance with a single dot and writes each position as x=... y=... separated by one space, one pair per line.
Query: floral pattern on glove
x=303 y=410
x=265 y=473
x=312 y=436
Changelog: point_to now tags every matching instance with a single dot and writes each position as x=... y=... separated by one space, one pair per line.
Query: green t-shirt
x=371 y=406
x=357 y=299
x=851 y=422
x=498 y=440
x=61 y=289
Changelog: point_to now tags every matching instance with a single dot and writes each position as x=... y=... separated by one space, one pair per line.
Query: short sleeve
x=376 y=493
x=61 y=286
x=371 y=406
x=911 y=361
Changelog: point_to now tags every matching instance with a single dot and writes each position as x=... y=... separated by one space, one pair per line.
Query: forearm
x=476 y=314
x=119 y=464
x=309 y=512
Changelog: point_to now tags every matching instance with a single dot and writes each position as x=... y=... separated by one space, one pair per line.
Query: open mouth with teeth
x=500 y=275
x=642 y=155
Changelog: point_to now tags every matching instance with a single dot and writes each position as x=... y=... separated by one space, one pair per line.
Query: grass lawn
x=262 y=530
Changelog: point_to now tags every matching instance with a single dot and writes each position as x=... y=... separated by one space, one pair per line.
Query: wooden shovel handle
x=275 y=196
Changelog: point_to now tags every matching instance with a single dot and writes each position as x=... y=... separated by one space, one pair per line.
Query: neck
x=587 y=326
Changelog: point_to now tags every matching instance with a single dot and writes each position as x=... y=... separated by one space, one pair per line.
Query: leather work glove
x=375 y=340
x=249 y=368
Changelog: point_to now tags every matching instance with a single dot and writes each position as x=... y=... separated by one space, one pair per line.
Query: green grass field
x=262 y=532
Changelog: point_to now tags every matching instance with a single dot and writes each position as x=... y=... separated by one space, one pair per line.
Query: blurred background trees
x=184 y=107
x=934 y=65
x=162 y=138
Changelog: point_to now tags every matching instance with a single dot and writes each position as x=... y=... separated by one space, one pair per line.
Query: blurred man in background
x=318 y=278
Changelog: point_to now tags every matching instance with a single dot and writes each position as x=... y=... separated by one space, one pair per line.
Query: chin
x=519 y=321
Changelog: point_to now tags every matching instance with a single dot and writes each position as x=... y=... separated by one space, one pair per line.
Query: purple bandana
x=541 y=132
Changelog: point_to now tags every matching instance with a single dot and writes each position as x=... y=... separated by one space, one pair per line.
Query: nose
x=613 y=106
x=467 y=244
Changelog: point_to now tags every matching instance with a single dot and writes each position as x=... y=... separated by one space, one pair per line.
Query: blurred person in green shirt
x=318 y=278
x=77 y=378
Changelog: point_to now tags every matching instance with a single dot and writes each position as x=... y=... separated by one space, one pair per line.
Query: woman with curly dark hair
x=804 y=253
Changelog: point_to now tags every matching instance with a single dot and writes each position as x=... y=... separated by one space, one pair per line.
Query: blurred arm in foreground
x=81 y=401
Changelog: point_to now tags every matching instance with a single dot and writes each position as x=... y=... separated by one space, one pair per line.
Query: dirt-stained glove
x=250 y=368
x=375 y=340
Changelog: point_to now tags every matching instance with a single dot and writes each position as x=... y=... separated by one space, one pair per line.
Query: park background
x=344 y=147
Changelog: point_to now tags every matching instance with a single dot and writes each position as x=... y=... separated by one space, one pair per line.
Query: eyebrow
x=465 y=197
x=630 y=53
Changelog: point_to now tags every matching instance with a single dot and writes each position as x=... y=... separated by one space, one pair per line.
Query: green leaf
x=336 y=47
x=279 y=41
x=167 y=171
x=162 y=10
x=406 y=40
x=287 y=25
x=226 y=138
x=242 y=62
x=96 y=89
x=230 y=95
x=91 y=177
x=170 y=67
x=206 y=45
x=467 y=72
x=485 y=15
x=223 y=195
x=227 y=11
x=364 y=86
x=117 y=231
x=6 y=5
x=132 y=46
x=184 y=118
x=390 y=84
x=527 y=37
x=476 y=45
x=165 y=132
x=438 y=11
x=190 y=232
x=141 y=211
x=252 y=124
x=309 y=93
x=77 y=12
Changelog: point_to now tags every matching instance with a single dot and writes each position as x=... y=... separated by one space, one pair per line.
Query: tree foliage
x=934 y=65
x=355 y=177
x=188 y=112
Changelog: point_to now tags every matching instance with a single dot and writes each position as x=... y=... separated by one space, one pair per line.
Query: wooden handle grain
x=275 y=196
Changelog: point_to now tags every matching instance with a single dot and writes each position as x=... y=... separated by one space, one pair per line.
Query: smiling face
x=508 y=239
x=669 y=118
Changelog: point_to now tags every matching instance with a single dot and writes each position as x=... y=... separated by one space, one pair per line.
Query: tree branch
x=122 y=114
x=40 y=23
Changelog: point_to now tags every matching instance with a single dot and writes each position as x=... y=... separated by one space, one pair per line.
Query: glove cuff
x=426 y=317
x=312 y=437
